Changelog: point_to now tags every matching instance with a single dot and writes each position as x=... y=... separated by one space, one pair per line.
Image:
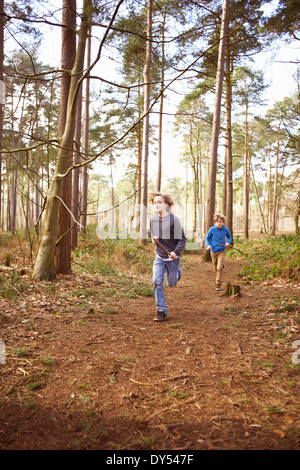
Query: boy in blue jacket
x=216 y=242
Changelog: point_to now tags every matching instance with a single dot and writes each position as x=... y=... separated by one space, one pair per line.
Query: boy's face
x=159 y=204
x=219 y=223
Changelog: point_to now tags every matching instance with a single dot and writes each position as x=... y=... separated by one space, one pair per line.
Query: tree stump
x=232 y=289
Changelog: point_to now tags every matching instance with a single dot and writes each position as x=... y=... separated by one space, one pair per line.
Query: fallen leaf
x=279 y=433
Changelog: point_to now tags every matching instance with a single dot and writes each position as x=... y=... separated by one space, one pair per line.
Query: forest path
x=216 y=375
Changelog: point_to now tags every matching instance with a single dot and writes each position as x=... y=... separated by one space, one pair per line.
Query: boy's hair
x=166 y=197
x=219 y=216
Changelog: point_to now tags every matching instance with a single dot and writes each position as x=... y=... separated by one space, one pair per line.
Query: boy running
x=216 y=242
x=167 y=234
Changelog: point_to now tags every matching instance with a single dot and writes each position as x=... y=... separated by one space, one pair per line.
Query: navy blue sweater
x=169 y=232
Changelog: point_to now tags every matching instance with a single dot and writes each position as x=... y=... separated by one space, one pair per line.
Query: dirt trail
x=216 y=375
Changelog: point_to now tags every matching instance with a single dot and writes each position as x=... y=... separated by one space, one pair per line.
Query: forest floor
x=94 y=371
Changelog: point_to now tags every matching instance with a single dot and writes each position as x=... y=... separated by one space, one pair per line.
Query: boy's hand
x=173 y=255
x=208 y=247
x=227 y=244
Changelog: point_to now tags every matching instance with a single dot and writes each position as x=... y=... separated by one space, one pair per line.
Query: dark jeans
x=173 y=274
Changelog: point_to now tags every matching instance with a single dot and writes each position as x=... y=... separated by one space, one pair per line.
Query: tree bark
x=15 y=169
x=86 y=139
x=257 y=197
x=246 y=180
x=139 y=149
x=76 y=172
x=138 y=199
x=211 y=195
x=68 y=52
x=159 y=169
x=200 y=199
x=224 y=194
x=38 y=168
x=274 y=214
x=2 y=92
x=229 y=180
x=147 y=90
x=297 y=215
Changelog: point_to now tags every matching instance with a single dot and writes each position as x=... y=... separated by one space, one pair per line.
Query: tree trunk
x=229 y=181
x=143 y=226
x=224 y=194
x=195 y=170
x=279 y=189
x=246 y=180
x=68 y=52
x=273 y=229
x=211 y=196
x=186 y=196
x=27 y=211
x=138 y=199
x=86 y=139
x=44 y=266
x=140 y=150
x=297 y=216
x=161 y=105
x=15 y=170
x=76 y=172
x=257 y=197
x=200 y=200
x=38 y=170
x=113 y=214
x=2 y=93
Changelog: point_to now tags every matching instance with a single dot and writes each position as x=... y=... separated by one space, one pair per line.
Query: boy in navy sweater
x=169 y=238
x=216 y=242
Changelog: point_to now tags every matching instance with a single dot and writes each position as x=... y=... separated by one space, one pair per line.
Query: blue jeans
x=172 y=277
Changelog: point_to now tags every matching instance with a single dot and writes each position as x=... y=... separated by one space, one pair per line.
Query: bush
x=111 y=256
x=271 y=258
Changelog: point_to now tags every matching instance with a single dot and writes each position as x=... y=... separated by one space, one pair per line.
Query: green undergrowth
x=125 y=263
x=270 y=258
x=12 y=285
x=112 y=256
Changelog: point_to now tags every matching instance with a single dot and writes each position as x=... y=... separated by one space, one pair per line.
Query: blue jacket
x=216 y=236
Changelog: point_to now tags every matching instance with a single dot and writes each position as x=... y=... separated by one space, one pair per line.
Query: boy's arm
x=150 y=232
x=229 y=237
x=181 y=244
x=207 y=239
x=178 y=234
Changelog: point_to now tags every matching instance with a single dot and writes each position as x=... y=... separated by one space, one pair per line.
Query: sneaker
x=218 y=286
x=160 y=316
